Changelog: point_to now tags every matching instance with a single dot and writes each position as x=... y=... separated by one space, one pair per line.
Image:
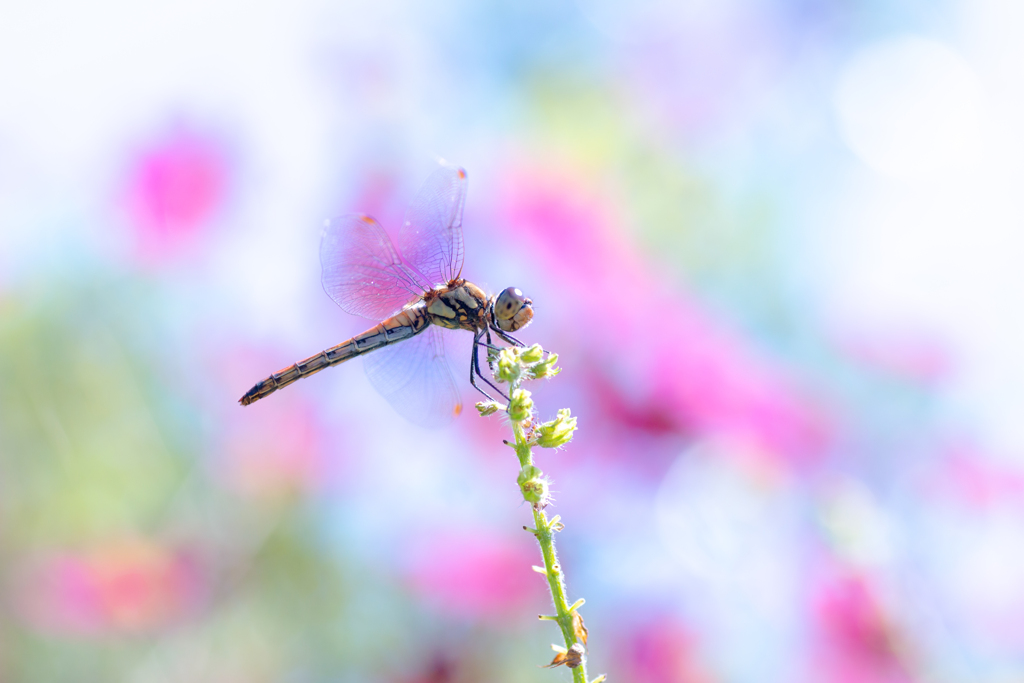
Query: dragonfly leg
x=506 y=336
x=473 y=368
x=489 y=345
x=474 y=371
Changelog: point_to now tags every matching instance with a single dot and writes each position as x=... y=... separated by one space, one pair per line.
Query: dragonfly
x=415 y=290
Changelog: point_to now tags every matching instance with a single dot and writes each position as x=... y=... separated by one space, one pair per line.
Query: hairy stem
x=513 y=365
x=545 y=535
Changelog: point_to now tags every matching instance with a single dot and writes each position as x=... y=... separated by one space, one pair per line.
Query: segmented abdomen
x=399 y=327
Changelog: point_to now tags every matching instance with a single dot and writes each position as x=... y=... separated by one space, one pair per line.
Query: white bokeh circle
x=911 y=109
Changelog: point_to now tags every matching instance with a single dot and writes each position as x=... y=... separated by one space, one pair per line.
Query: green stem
x=546 y=538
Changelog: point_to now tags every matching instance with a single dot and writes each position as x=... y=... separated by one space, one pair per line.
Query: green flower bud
x=534 y=486
x=556 y=433
x=521 y=405
x=488 y=407
x=532 y=354
x=545 y=368
x=527 y=473
x=508 y=368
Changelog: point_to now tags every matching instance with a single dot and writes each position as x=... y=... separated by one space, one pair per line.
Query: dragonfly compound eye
x=512 y=310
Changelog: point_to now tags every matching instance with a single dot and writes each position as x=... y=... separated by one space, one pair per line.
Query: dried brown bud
x=579 y=628
x=572 y=658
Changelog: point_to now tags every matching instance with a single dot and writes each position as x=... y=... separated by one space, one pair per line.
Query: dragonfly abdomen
x=398 y=327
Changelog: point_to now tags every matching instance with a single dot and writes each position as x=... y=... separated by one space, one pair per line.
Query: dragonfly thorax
x=460 y=305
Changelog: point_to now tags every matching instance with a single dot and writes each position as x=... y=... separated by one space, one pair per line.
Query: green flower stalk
x=513 y=366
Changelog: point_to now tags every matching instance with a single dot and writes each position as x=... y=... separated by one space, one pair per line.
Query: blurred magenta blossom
x=912 y=356
x=176 y=184
x=654 y=360
x=476 y=575
x=660 y=650
x=857 y=641
x=440 y=669
x=119 y=586
x=274 y=450
x=974 y=479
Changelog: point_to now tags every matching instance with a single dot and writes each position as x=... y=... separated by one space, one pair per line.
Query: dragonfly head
x=511 y=310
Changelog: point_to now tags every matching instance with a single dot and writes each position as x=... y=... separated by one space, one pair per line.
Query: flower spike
x=513 y=366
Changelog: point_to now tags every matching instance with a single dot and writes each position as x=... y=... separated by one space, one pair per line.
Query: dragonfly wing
x=362 y=272
x=431 y=235
x=413 y=375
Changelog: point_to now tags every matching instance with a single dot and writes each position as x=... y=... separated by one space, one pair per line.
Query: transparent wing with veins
x=362 y=271
x=431 y=235
x=415 y=378
x=365 y=275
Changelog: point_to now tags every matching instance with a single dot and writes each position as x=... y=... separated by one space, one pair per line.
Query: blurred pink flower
x=969 y=475
x=175 y=187
x=857 y=642
x=660 y=650
x=120 y=586
x=271 y=450
x=275 y=448
x=440 y=669
x=654 y=360
x=477 y=575
x=907 y=355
